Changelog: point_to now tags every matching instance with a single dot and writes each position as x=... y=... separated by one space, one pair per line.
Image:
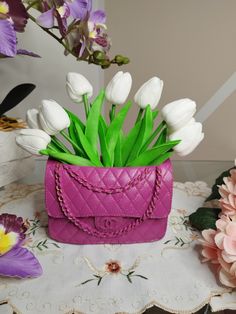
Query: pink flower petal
x=228 y=258
x=229 y=245
x=219 y=239
x=231 y=229
x=226 y=279
x=209 y=235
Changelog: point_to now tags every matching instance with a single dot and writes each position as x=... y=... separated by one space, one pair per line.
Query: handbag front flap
x=101 y=192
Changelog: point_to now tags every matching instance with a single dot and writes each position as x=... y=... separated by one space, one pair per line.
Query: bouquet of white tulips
x=97 y=142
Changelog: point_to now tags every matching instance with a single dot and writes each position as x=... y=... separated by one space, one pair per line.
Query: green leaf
x=144 y=133
x=152 y=137
x=162 y=138
x=150 y=155
x=106 y=159
x=67 y=158
x=74 y=118
x=72 y=131
x=93 y=155
x=118 y=162
x=219 y=181
x=103 y=123
x=155 y=114
x=91 y=131
x=129 y=141
x=58 y=145
x=161 y=159
x=204 y=218
x=113 y=130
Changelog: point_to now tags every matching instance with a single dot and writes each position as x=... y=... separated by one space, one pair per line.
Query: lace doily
x=106 y=279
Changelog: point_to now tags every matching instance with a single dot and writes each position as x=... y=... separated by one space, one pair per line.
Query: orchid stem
x=140 y=113
x=112 y=112
x=86 y=105
x=31 y=5
x=63 y=133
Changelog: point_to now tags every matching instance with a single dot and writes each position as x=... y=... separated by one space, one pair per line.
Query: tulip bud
x=32 y=119
x=178 y=113
x=53 y=118
x=149 y=93
x=77 y=86
x=33 y=140
x=190 y=135
x=118 y=88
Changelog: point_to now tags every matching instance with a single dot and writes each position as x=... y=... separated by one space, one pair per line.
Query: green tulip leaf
x=149 y=156
x=129 y=141
x=106 y=159
x=91 y=131
x=152 y=137
x=162 y=138
x=67 y=158
x=93 y=155
x=144 y=133
x=114 y=128
x=161 y=159
x=118 y=161
x=74 y=118
x=204 y=218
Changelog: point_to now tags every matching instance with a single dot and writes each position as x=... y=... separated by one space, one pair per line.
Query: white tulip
x=118 y=89
x=190 y=135
x=77 y=85
x=178 y=113
x=52 y=117
x=33 y=140
x=32 y=118
x=149 y=93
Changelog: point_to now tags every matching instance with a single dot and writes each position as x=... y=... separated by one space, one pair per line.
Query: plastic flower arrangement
x=80 y=30
x=99 y=143
x=218 y=226
x=15 y=260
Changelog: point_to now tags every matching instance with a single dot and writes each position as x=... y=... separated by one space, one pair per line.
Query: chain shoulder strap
x=94 y=232
x=136 y=180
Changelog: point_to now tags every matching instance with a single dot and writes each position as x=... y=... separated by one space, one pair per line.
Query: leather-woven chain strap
x=143 y=175
x=94 y=232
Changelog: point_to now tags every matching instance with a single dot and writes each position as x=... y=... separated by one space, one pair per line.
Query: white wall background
x=47 y=73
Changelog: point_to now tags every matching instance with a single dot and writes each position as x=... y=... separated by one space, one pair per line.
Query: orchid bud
x=178 y=113
x=77 y=86
x=52 y=117
x=33 y=140
x=32 y=119
x=118 y=88
x=190 y=135
x=149 y=93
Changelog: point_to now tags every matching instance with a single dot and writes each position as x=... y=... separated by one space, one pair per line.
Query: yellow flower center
x=7 y=240
x=61 y=10
x=4 y=8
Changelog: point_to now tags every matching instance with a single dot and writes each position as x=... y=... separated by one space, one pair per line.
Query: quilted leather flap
x=102 y=192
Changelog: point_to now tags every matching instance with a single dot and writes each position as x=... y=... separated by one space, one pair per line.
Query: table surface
x=176 y=279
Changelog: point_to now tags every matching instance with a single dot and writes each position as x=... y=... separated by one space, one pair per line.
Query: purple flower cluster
x=73 y=23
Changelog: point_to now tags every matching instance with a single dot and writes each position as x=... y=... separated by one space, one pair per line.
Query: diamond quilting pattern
x=108 y=209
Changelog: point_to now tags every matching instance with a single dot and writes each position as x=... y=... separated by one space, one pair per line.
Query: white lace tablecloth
x=107 y=279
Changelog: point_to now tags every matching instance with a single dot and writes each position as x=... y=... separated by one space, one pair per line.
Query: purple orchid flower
x=76 y=9
x=15 y=261
x=13 y=18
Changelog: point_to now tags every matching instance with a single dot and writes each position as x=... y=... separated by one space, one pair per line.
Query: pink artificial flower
x=219 y=247
x=210 y=250
x=228 y=194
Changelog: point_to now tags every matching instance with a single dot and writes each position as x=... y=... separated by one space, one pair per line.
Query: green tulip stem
x=59 y=144
x=50 y=146
x=86 y=105
x=112 y=112
x=154 y=134
x=63 y=133
x=140 y=113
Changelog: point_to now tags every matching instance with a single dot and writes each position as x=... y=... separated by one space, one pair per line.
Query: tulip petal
x=20 y=262
x=7 y=38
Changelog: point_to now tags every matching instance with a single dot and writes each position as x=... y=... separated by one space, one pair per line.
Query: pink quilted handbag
x=92 y=205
